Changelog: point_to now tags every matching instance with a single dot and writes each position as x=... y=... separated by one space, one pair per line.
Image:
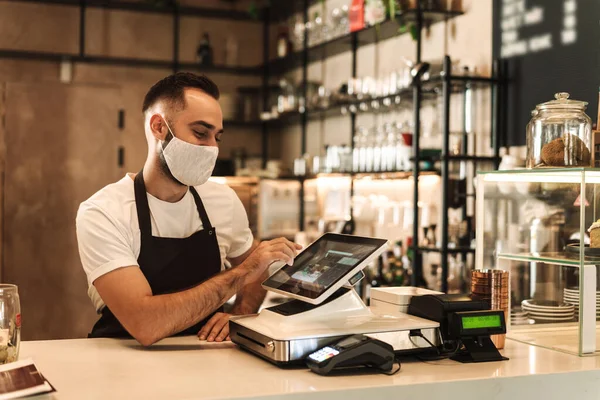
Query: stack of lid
x=491 y=285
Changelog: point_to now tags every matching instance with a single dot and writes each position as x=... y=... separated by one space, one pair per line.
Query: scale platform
x=287 y=333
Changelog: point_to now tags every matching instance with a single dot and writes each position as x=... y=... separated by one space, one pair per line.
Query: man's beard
x=164 y=167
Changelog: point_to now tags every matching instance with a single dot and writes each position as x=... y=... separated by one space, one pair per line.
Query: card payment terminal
x=353 y=351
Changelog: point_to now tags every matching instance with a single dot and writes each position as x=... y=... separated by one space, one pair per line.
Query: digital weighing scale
x=325 y=308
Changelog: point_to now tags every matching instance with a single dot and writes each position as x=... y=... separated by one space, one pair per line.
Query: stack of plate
x=519 y=317
x=548 y=311
x=571 y=296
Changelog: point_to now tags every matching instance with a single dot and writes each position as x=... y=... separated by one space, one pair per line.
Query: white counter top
x=184 y=368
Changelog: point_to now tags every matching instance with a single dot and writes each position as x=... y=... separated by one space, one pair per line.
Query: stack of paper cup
x=491 y=285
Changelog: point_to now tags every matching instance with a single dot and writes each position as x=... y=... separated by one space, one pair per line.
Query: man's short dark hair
x=171 y=89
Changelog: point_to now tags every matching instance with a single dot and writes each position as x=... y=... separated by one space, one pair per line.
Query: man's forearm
x=249 y=299
x=166 y=315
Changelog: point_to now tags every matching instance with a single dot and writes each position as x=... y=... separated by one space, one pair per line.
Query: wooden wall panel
x=129 y=34
x=133 y=137
x=39 y=27
x=61 y=146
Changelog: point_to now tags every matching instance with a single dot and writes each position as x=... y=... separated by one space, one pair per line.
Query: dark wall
x=534 y=77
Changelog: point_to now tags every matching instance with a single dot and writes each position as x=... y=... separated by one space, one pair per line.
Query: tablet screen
x=323 y=264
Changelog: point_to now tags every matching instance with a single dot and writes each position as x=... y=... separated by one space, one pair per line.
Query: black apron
x=169 y=264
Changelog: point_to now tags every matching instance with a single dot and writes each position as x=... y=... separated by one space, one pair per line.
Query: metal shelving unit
x=446 y=83
x=351 y=42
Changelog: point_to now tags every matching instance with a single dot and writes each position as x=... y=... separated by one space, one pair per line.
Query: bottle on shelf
x=284 y=44
x=406 y=150
x=356 y=151
x=388 y=260
x=204 y=53
x=399 y=272
x=356 y=15
x=344 y=26
x=407 y=259
x=369 y=151
x=378 y=154
x=389 y=149
x=403 y=146
x=321 y=30
x=299 y=30
x=374 y=12
x=346 y=158
x=364 y=143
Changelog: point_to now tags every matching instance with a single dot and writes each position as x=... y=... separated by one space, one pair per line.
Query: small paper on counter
x=22 y=379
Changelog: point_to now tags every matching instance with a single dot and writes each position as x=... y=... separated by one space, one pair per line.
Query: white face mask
x=190 y=164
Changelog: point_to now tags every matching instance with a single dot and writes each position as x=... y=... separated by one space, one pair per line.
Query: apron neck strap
x=141 y=204
x=201 y=210
x=143 y=209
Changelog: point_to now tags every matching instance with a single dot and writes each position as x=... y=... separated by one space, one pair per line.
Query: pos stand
x=478 y=349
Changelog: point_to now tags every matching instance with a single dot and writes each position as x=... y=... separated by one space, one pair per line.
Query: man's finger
x=290 y=253
x=293 y=246
x=218 y=327
x=208 y=327
x=224 y=333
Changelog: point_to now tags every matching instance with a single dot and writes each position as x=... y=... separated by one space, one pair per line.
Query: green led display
x=482 y=321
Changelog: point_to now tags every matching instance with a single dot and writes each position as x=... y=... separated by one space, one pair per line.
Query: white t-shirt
x=108 y=232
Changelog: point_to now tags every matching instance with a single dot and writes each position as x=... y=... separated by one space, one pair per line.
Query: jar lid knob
x=561 y=96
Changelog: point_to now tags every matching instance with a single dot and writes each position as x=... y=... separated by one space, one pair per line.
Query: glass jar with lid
x=559 y=134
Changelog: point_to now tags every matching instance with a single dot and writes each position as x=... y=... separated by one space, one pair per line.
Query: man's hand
x=216 y=329
x=266 y=254
x=255 y=263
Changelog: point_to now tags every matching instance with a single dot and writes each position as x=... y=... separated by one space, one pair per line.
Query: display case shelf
x=565 y=259
x=544 y=175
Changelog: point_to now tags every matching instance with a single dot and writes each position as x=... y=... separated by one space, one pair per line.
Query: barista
x=154 y=244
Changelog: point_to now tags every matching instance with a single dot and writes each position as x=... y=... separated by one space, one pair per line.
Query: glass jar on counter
x=559 y=134
x=10 y=323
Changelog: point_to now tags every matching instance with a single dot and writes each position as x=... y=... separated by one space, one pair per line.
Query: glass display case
x=540 y=225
